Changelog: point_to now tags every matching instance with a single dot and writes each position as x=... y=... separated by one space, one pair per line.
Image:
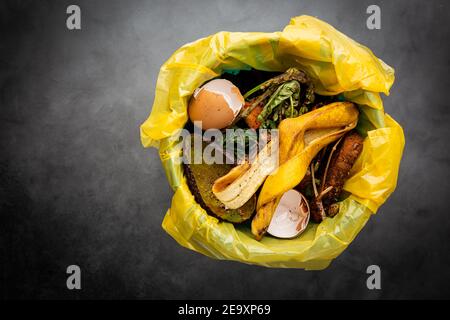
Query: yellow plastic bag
x=336 y=64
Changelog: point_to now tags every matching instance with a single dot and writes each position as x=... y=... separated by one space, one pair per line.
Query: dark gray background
x=76 y=187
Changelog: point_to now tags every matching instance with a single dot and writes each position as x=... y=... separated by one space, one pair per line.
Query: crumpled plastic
x=337 y=65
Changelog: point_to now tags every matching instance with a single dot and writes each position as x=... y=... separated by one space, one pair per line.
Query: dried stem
x=324 y=192
x=316 y=194
x=324 y=178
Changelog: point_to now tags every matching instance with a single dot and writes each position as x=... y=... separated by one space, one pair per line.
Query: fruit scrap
x=241 y=183
x=301 y=138
x=200 y=178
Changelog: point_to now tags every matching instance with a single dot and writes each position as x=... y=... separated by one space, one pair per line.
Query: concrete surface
x=76 y=187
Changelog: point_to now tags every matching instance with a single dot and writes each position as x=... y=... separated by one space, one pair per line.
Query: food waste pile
x=297 y=176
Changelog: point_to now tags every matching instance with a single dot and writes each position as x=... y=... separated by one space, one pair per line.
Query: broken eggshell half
x=216 y=104
x=291 y=216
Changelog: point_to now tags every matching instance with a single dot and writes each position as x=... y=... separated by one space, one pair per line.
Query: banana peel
x=241 y=183
x=300 y=139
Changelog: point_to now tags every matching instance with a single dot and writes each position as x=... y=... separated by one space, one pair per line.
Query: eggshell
x=291 y=216
x=216 y=104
